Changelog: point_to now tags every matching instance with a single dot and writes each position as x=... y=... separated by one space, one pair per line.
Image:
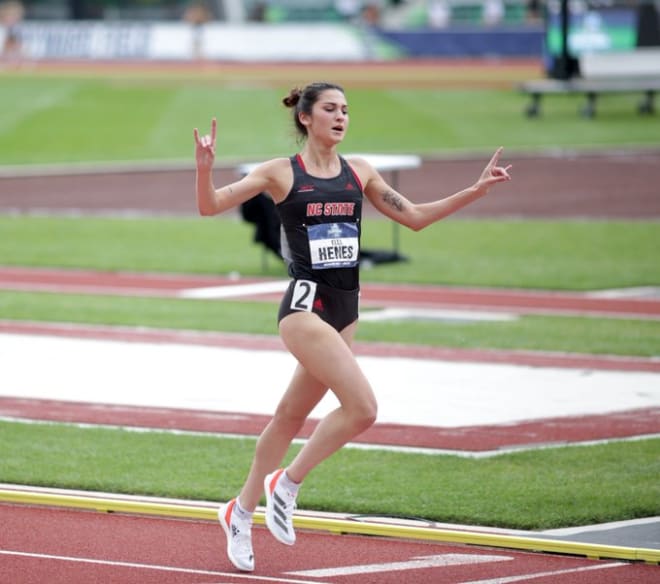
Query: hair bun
x=293 y=98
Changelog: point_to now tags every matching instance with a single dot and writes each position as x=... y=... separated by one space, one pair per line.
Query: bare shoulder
x=278 y=175
x=358 y=162
x=362 y=168
x=272 y=167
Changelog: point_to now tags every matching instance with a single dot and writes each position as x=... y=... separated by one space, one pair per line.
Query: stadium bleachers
x=409 y=14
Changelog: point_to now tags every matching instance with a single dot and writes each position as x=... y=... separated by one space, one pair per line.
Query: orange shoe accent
x=273 y=481
x=230 y=508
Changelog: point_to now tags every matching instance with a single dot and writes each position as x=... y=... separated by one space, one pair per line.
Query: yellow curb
x=208 y=511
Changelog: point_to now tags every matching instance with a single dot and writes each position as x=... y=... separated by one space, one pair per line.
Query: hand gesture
x=205 y=148
x=493 y=173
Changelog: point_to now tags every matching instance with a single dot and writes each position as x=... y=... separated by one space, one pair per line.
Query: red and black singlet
x=321 y=226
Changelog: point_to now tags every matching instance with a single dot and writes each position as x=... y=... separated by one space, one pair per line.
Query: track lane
x=102 y=547
x=475 y=441
x=372 y=294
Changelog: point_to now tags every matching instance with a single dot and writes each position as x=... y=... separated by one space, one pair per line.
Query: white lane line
x=428 y=451
x=444 y=315
x=637 y=292
x=110 y=563
x=526 y=577
x=417 y=563
x=235 y=291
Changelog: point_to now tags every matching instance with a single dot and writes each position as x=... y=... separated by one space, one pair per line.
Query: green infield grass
x=45 y=120
x=550 y=488
x=55 y=119
x=515 y=254
x=535 y=490
x=559 y=255
x=609 y=336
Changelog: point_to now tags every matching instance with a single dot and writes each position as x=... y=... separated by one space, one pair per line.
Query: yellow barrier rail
x=190 y=510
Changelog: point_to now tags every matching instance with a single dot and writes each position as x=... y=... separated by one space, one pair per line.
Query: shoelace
x=290 y=504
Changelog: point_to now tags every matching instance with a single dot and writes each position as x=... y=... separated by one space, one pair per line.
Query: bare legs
x=317 y=345
x=325 y=361
x=302 y=395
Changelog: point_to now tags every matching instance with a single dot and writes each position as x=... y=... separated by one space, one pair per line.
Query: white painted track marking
x=236 y=291
x=527 y=577
x=417 y=563
x=444 y=315
x=410 y=391
x=110 y=563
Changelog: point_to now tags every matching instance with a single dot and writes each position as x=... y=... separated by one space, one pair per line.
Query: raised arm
x=416 y=216
x=211 y=201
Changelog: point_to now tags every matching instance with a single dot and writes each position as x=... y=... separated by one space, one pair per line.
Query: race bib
x=303 y=295
x=333 y=245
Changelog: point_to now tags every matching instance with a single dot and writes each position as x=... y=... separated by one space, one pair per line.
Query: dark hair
x=302 y=100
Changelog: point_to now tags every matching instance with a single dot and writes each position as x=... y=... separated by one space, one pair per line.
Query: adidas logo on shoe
x=280 y=503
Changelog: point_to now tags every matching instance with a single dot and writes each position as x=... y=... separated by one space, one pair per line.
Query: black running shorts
x=337 y=307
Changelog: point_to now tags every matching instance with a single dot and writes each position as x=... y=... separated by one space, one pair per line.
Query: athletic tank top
x=321 y=225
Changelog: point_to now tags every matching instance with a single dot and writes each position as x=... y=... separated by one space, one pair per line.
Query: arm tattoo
x=393 y=200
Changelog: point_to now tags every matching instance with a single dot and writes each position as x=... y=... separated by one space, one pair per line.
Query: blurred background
x=331 y=30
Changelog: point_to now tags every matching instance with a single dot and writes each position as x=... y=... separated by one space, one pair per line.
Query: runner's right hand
x=205 y=147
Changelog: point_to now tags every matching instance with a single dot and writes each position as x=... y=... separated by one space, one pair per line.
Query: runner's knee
x=289 y=418
x=363 y=415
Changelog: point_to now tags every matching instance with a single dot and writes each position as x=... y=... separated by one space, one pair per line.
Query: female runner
x=318 y=196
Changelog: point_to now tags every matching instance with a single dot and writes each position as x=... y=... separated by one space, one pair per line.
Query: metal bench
x=635 y=71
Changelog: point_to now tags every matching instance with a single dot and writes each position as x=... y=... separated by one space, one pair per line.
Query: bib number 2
x=303 y=295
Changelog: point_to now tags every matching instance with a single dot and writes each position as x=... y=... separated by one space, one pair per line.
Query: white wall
x=181 y=41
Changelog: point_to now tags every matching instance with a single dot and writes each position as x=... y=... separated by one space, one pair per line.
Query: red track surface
x=65 y=547
x=466 y=439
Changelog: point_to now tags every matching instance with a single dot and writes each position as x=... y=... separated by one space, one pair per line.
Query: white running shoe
x=280 y=503
x=239 y=537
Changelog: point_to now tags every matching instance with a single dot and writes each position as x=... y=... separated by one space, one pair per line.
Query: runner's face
x=329 y=120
